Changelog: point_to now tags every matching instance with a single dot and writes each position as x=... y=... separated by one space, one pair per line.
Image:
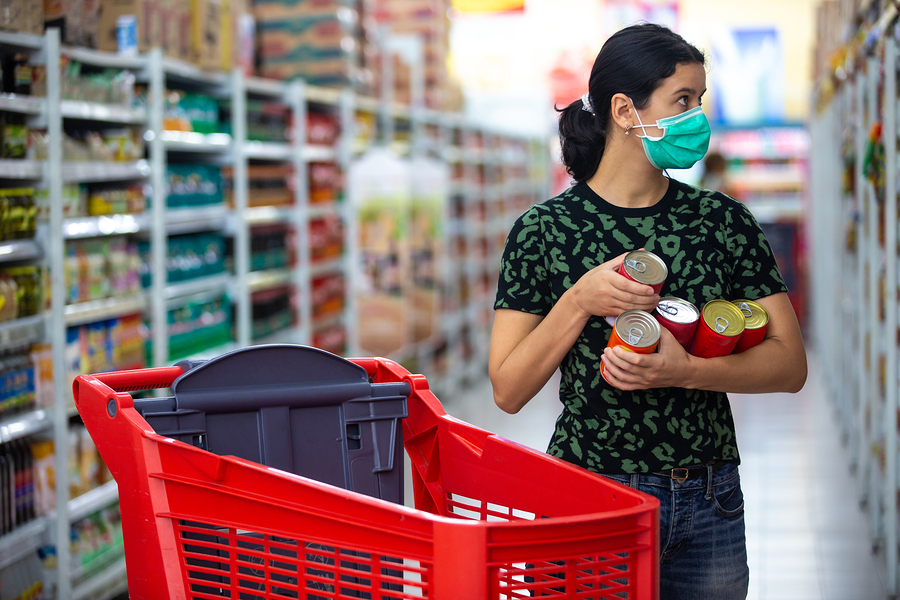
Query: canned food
x=678 y=316
x=756 y=321
x=721 y=325
x=645 y=267
x=635 y=331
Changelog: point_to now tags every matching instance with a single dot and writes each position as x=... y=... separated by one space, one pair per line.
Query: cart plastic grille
x=600 y=576
x=245 y=565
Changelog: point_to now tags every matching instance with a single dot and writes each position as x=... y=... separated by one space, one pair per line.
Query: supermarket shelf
x=263 y=280
x=87 y=172
x=326 y=321
x=212 y=352
x=108 y=584
x=21 y=169
x=23 y=541
x=28 y=105
x=107 y=308
x=321 y=95
x=266 y=87
x=326 y=266
x=94 y=500
x=188 y=141
x=265 y=215
x=23 y=425
x=86 y=227
x=189 y=220
x=21 y=40
x=93 y=111
x=184 y=72
x=27 y=330
x=313 y=153
x=192 y=287
x=19 y=250
x=285 y=336
x=268 y=151
x=777 y=212
x=97 y=58
x=323 y=209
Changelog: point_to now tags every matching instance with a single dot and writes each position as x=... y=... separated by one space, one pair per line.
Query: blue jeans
x=703 y=552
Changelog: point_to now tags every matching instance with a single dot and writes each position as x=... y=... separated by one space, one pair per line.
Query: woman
x=662 y=424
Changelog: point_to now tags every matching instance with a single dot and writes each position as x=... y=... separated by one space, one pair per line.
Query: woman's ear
x=622 y=113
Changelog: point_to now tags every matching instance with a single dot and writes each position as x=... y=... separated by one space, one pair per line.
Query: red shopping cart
x=493 y=519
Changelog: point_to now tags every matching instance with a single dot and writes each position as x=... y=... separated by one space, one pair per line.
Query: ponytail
x=582 y=139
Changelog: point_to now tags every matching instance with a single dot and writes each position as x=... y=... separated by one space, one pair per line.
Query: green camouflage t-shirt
x=713 y=248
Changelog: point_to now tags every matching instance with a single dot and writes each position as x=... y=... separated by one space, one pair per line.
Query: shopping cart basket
x=493 y=519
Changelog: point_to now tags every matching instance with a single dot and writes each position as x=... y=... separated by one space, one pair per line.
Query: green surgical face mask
x=684 y=141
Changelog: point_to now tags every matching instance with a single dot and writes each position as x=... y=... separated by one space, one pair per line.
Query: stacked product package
x=315 y=40
x=427 y=19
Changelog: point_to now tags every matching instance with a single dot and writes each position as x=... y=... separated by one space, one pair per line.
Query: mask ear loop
x=652 y=138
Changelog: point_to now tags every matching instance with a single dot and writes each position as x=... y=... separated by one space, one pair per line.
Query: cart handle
x=140 y=379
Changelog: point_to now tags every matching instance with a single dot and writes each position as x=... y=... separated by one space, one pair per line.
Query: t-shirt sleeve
x=755 y=273
x=523 y=284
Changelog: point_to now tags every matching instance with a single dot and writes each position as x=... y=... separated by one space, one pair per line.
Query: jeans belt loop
x=709 y=481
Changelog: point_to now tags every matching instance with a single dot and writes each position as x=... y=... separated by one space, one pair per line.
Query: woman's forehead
x=687 y=77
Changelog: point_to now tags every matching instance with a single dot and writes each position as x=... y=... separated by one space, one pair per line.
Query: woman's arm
x=526 y=349
x=778 y=364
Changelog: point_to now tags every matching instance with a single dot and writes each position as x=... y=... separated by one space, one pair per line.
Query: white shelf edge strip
x=92 y=501
x=22 y=541
x=106 y=308
x=98 y=583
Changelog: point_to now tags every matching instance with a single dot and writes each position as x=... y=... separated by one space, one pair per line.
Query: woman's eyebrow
x=688 y=91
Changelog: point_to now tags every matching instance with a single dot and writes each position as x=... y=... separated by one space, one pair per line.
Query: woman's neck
x=625 y=178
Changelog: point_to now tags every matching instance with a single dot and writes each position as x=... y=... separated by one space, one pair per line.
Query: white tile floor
x=806 y=535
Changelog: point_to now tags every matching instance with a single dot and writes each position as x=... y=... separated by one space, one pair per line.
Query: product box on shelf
x=77 y=20
x=211 y=34
x=269 y=185
x=23 y=16
x=175 y=29
x=148 y=14
x=276 y=10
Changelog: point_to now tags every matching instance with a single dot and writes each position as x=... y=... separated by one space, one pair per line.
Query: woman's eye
x=683 y=101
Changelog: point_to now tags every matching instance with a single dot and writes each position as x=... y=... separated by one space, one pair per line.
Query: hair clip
x=586 y=101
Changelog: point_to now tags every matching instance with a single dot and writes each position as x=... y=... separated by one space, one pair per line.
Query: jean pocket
x=729 y=499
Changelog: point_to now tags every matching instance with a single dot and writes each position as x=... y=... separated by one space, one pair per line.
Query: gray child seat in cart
x=294 y=408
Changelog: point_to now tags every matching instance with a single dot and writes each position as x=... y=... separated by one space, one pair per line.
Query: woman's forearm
x=773 y=366
x=519 y=374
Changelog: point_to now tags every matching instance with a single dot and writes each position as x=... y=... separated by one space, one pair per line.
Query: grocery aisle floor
x=806 y=535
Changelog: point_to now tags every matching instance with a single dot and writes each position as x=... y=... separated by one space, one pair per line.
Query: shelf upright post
x=240 y=187
x=57 y=311
x=851 y=298
x=352 y=259
x=296 y=98
x=862 y=264
x=158 y=235
x=890 y=302
x=873 y=267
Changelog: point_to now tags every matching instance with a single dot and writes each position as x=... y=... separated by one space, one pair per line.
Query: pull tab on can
x=637 y=265
x=635 y=335
x=668 y=309
x=721 y=324
x=745 y=308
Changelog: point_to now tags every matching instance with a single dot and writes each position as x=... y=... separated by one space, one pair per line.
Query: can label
x=646 y=268
x=756 y=322
x=126 y=35
x=720 y=328
x=635 y=331
x=678 y=316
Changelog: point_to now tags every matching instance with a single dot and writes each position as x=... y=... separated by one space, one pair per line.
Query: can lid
x=677 y=310
x=724 y=318
x=755 y=316
x=637 y=328
x=645 y=267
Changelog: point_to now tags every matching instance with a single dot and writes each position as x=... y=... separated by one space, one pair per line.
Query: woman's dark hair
x=634 y=62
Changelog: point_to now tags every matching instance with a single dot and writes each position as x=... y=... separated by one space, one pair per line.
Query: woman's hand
x=665 y=368
x=603 y=292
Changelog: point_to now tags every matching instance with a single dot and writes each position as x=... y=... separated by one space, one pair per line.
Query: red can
x=678 y=316
x=645 y=267
x=756 y=322
x=635 y=331
x=720 y=328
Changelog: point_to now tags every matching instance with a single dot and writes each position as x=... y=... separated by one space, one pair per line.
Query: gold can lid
x=723 y=317
x=645 y=267
x=755 y=316
x=677 y=310
x=637 y=328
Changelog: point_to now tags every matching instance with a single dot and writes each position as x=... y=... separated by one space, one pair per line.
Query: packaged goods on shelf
x=322 y=129
x=101 y=268
x=266 y=121
x=196 y=327
x=21 y=292
x=116 y=199
x=269 y=185
x=272 y=312
x=17 y=382
x=190 y=256
x=77 y=20
x=17 y=486
x=269 y=247
x=326 y=238
x=331 y=339
x=96 y=542
x=23 y=579
x=211 y=31
x=110 y=345
x=15 y=132
x=328 y=293
x=22 y=16
x=325 y=182
x=86 y=468
x=193 y=184
x=112 y=145
x=18 y=214
x=190 y=111
x=43 y=452
x=148 y=15
x=74 y=201
x=42 y=358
